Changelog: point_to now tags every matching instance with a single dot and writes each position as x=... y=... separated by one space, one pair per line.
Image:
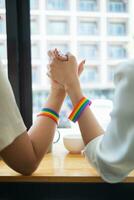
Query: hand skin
x=28 y=149
x=56 y=55
x=89 y=126
x=65 y=72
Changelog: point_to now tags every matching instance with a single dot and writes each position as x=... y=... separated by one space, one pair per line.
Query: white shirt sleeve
x=11 y=123
x=112 y=154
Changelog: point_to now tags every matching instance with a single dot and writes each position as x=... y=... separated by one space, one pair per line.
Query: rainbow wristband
x=79 y=108
x=47 y=112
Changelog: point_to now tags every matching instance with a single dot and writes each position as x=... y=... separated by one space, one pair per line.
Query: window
x=88 y=52
x=61 y=47
x=111 y=71
x=35 y=51
x=34 y=4
x=2 y=3
x=88 y=5
x=88 y=28
x=117 y=29
x=57 y=5
x=90 y=75
x=3 y=42
x=58 y=27
x=35 y=75
x=3 y=53
x=35 y=25
x=79 y=26
x=117 y=6
x=2 y=25
x=38 y=100
x=117 y=52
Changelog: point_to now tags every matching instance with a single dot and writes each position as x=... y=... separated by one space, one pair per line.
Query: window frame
x=19 y=55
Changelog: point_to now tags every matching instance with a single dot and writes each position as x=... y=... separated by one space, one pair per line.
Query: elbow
x=29 y=168
x=28 y=172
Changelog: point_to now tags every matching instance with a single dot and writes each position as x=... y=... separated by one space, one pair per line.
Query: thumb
x=81 y=67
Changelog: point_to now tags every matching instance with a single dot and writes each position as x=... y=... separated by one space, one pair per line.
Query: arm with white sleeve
x=111 y=151
x=112 y=154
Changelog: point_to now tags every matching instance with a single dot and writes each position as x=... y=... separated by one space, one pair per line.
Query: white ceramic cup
x=73 y=143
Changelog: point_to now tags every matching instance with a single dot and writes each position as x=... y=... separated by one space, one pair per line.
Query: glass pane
x=34 y=4
x=88 y=51
x=88 y=5
x=117 y=52
x=117 y=6
x=2 y=24
x=67 y=26
x=3 y=41
x=35 y=25
x=58 y=27
x=110 y=74
x=90 y=75
x=3 y=52
x=117 y=29
x=57 y=4
x=2 y=4
x=88 y=28
x=35 y=51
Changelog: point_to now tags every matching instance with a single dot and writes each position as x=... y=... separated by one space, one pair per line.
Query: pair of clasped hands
x=63 y=70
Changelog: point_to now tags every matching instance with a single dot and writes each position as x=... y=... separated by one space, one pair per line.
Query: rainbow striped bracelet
x=79 y=108
x=47 y=112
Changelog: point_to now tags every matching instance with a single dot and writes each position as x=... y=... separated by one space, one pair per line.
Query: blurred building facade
x=100 y=31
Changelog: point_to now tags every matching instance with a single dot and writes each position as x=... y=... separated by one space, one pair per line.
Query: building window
x=58 y=27
x=38 y=100
x=90 y=75
x=35 y=75
x=34 y=4
x=111 y=72
x=34 y=25
x=117 y=52
x=2 y=25
x=88 y=5
x=117 y=28
x=61 y=47
x=88 y=28
x=117 y=6
x=88 y=51
x=3 y=53
x=2 y=4
x=35 y=51
x=57 y=4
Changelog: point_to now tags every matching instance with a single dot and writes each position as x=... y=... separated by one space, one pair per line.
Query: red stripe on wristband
x=79 y=108
x=48 y=115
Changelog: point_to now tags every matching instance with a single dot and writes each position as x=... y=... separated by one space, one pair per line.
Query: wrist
x=55 y=100
x=72 y=85
x=57 y=96
x=75 y=92
x=60 y=92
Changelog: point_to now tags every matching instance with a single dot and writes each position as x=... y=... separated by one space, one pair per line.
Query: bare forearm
x=88 y=124
x=42 y=131
x=26 y=151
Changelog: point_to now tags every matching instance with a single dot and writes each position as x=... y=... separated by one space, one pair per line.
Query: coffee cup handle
x=58 y=138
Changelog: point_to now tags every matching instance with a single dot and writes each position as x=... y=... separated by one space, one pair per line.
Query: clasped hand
x=63 y=69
